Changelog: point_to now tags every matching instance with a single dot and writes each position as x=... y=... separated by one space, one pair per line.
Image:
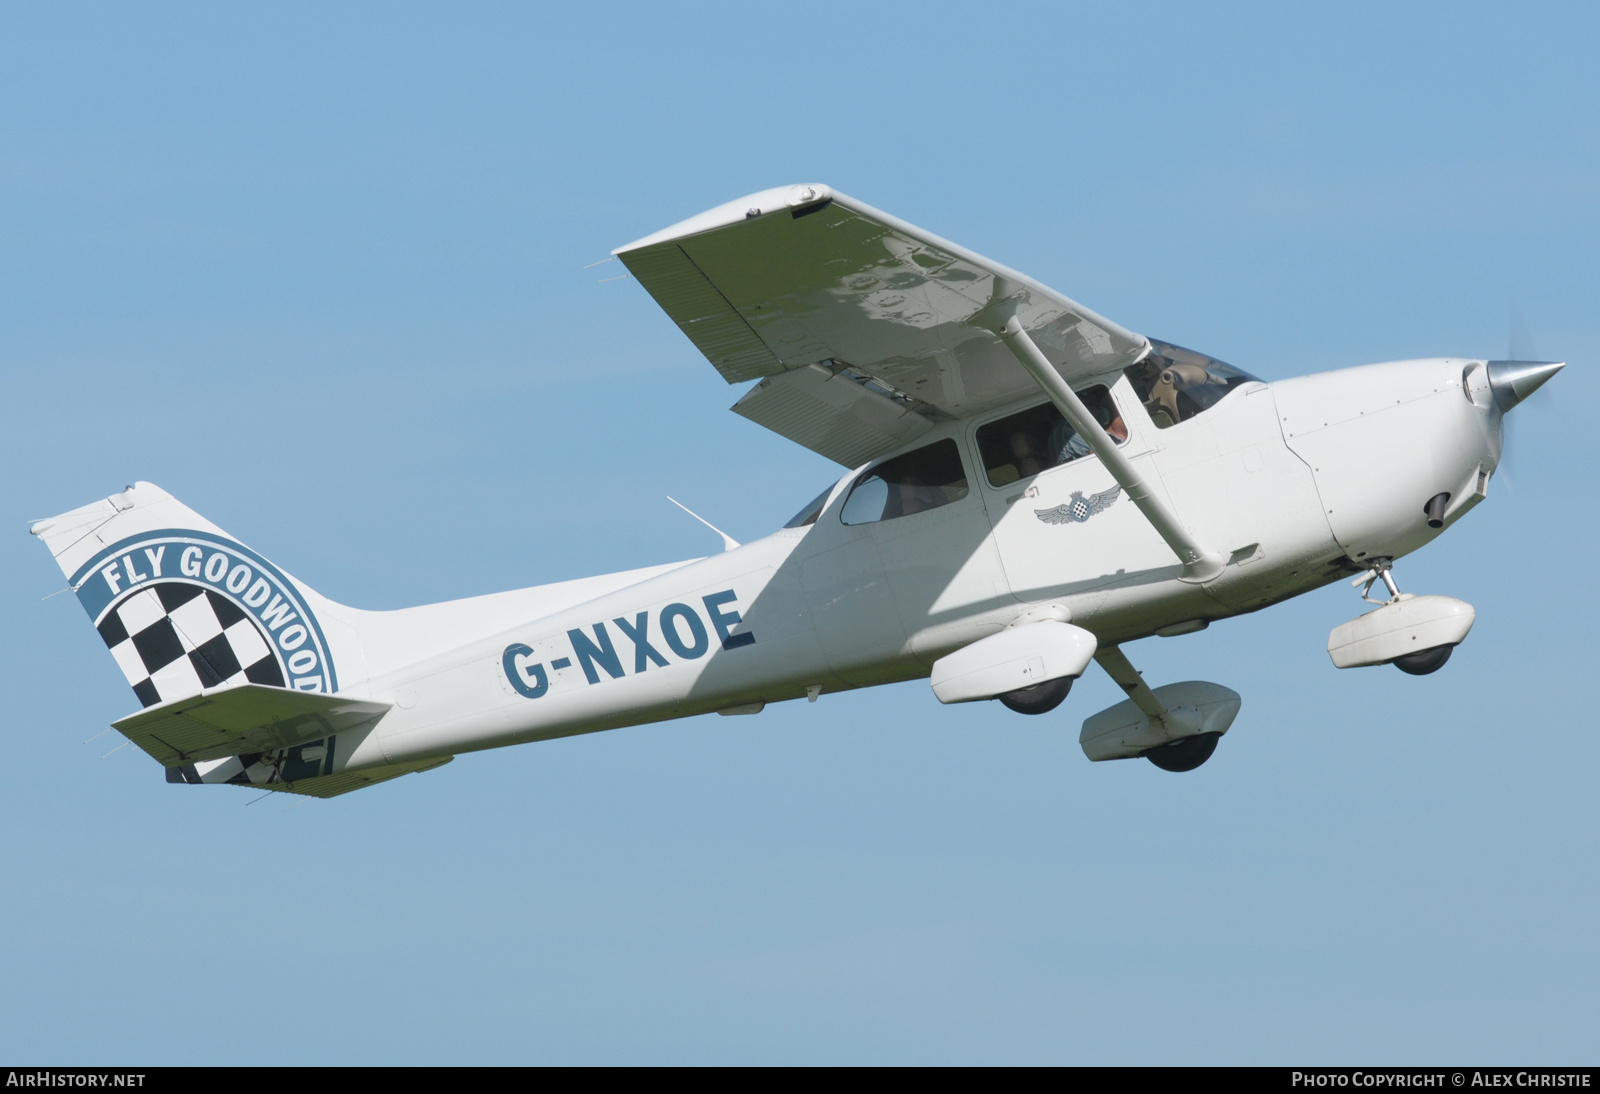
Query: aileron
x=702 y=313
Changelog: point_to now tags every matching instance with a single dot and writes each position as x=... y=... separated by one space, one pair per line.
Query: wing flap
x=834 y=413
x=247 y=718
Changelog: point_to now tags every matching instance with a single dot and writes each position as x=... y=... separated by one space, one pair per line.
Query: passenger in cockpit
x=1025 y=450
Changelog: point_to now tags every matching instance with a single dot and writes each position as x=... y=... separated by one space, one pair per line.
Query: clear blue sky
x=316 y=270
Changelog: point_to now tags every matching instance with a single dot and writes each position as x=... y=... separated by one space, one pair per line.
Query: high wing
x=862 y=329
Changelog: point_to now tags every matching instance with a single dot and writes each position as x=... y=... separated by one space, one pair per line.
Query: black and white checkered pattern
x=173 y=639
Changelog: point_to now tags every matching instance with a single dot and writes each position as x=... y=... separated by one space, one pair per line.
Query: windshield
x=1175 y=384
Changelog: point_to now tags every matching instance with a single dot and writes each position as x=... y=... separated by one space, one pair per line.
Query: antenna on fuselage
x=728 y=542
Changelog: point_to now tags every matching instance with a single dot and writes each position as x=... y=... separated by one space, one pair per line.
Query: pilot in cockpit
x=912 y=495
x=1065 y=444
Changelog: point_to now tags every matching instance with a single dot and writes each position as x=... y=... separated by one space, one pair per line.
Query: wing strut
x=1199 y=564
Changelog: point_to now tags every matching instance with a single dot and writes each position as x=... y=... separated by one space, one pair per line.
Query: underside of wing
x=862 y=330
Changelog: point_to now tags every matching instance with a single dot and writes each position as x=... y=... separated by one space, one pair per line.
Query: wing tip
x=733 y=212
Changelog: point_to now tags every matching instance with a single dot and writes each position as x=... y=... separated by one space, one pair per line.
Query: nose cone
x=1514 y=381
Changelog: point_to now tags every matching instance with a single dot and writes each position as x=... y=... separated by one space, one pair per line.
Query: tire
x=1184 y=754
x=1423 y=661
x=1039 y=699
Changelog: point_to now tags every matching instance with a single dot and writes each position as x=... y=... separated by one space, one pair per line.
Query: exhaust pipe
x=1434 y=510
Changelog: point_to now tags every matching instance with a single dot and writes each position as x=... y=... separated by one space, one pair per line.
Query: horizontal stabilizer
x=243 y=719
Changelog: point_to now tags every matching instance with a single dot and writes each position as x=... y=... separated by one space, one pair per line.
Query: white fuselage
x=1297 y=483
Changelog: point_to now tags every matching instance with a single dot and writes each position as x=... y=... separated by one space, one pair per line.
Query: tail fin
x=187 y=610
x=182 y=606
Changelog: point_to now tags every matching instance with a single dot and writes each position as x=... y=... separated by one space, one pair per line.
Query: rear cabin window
x=1027 y=443
x=924 y=478
x=1175 y=384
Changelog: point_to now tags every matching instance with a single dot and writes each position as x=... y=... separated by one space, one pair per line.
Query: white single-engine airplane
x=1034 y=486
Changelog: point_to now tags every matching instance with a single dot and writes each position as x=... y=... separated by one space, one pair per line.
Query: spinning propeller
x=1514 y=380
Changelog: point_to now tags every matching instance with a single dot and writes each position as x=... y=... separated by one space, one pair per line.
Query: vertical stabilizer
x=182 y=606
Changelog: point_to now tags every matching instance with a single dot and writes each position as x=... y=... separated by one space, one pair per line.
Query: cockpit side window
x=924 y=478
x=1175 y=384
x=811 y=512
x=1026 y=443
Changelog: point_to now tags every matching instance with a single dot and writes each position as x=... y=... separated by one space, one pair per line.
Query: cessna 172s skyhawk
x=1034 y=486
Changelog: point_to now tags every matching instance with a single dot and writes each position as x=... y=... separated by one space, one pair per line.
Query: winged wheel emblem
x=1078 y=508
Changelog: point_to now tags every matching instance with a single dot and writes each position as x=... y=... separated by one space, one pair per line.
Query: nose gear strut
x=1379 y=570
